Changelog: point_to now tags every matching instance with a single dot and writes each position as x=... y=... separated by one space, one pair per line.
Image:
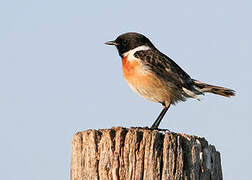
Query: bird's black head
x=129 y=41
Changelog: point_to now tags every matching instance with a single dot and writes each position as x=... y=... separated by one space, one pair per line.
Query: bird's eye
x=124 y=42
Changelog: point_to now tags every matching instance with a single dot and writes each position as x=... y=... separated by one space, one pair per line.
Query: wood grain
x=139 y=153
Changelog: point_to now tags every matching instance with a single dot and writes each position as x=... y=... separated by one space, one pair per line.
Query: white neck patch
x=131 y=52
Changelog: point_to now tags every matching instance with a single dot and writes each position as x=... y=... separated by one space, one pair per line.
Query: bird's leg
x=159 y=118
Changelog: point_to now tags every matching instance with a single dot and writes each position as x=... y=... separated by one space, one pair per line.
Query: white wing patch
x=190 y=93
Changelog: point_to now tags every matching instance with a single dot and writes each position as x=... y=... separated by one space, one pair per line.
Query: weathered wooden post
x=139 y=153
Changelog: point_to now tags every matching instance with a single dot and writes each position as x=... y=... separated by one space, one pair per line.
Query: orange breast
x=142 y=81
x=130 y=68
x=146 y=84
x=135 y=74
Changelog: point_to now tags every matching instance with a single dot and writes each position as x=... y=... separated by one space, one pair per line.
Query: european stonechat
x=155 y=76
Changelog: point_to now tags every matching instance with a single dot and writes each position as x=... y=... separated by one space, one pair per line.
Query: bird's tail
x=203 y=87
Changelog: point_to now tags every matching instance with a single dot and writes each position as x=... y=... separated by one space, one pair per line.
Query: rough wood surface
x=139 y=153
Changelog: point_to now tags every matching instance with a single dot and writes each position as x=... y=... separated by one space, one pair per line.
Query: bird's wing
x=165 y=68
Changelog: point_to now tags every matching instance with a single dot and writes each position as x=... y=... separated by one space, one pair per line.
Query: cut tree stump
x=141 y=153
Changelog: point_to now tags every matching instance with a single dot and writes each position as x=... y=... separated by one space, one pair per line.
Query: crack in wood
x=141 y=153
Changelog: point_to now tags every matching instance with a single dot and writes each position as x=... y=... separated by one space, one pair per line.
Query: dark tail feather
x=202 y=87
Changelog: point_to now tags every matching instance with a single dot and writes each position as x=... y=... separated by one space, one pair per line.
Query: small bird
x=156 y=77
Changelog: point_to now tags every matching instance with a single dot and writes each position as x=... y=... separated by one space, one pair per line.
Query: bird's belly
x=144 y=82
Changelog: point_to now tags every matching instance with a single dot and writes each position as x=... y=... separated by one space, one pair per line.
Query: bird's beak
x=112 y=43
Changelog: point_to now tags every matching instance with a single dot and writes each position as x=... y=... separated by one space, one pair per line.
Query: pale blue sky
x=57 y=77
